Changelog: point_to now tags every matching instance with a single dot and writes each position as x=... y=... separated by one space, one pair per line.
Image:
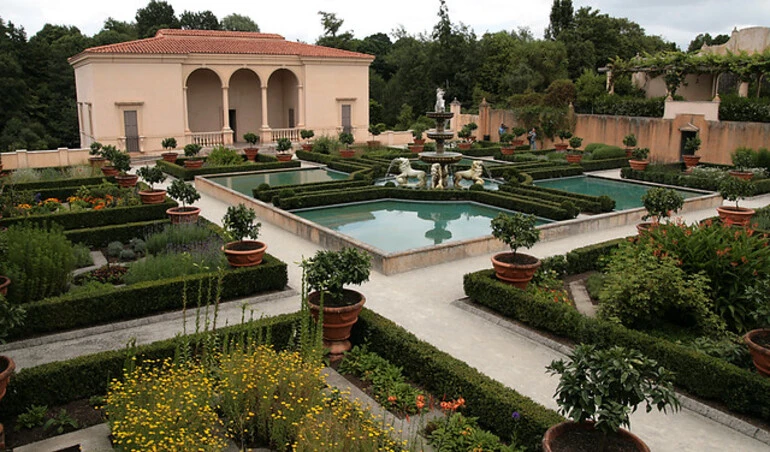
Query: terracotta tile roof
x=183 y=42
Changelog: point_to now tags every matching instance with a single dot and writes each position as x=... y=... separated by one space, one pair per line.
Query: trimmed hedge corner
x=266 y=162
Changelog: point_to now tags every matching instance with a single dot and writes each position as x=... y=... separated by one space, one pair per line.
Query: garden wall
x=44 y=159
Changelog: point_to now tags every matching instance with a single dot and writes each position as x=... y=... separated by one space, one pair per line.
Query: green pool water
x=246 y=182
x=396 y=225
x=627 y=195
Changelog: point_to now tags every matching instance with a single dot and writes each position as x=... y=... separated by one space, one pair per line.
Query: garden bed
x=264 y=162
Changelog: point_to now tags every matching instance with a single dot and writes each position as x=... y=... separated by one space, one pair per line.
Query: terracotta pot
x=643 y=228
x=745 y=175
x=638 y=165
x=574 y=158
x=183 y=215
x=4 y=283
x=96 y=162
x=9 y=366
x=738 y=216
x=109 y=171
x=156 y=196
x=193 y=164
x=337 y=323
x=347 y=153
x=464 y=146
x=170 y=157
x=507 y=150
x=244 y=253
x=307 y=147
x=629 y=151
x=691 y=160
x=518 y=274
x=373 y=143
x=284 y=157
x=419 y=141
x=416 y=148
x=251 y=153
x=759 y=354
x=128 y=180
x=553 y=434
x=560 y=146
x=515 y=143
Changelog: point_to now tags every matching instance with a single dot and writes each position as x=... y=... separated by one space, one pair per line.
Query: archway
x=282 y=99
x=245 y=99
x=204 y=101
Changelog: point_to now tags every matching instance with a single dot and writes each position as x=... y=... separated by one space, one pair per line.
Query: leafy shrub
x=82 y=255
x=11 y=316
x=138 y=246
x=178 y=236
x=127 y=255
x=114 y=249
x=594 y=284
x=326 y=145
x=607 y=152
x=458 y=433
x=38 y=260
x=224 y=156
x=735 y=108
x=627 y=106
x=33 y=417
x=90 y=288
x=162 y=266
x=591 y=147
x=560 y=93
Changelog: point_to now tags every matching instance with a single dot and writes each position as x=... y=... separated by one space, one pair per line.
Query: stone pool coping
x=403 y=261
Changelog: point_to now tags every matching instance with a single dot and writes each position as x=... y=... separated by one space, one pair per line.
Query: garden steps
x=581 y=298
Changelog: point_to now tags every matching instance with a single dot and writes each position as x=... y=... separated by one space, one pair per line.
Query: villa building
x=212 y=87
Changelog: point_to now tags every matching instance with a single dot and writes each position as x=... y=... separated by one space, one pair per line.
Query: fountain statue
x=405 y=166
x=439 y=135
x=474 y=174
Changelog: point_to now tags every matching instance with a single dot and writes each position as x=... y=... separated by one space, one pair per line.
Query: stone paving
x=425 y=302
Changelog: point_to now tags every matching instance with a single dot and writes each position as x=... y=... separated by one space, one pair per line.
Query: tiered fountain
x=440 y=159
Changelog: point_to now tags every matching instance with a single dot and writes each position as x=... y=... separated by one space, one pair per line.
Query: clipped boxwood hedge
x=95 y=218
x=316 y=157
x=554 y=172
x=686 y=180
x=586 y=203
x=439 y=373
x=266 y=195
x=59 y=183
x=598 y=165
x=61 y=382
x=101 y=236
x=67 y=312
x=704 y=376
x=264 y=162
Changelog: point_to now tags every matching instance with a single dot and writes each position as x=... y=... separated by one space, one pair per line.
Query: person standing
x=532 y=137
x=502 y=130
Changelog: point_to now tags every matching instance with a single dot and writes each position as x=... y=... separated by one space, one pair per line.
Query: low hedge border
x=590 y=204
x=598 y=165
x=267 y=195
x=151 y=297
x=710 y=378
x=684 y=180
x=266 y=162
x=439 y=373
x=530 y=205
x=554 y=172
x=101 y=236
x=65 y=381
x=96 y=218
x=54 y=184
x=316 y=157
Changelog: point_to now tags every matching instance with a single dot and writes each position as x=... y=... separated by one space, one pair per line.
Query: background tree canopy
x=37 y=87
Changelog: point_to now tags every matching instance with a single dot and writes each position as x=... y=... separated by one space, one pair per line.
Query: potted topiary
x=506 y=148
x=187 y=194
x=347 y=139
x=306 y=135
x=734 y=189
x=563 y=135
x=191 y=152
x=598 y=390
x=465 y=135
x=515 y=230
x=239 y=224
x=639 y=160
x=108 y=152
x=630 y=142
x=169 y=144
x=660 y=203
x=283 y=150
x=691 y=146
x=575 y=155
x=417 y=131
x=472 y=126
x=121 y=161
x=375 y=130
x=326 y=274
x=251 y=151
x=517 y=133
x=97 y=160
x=152 y=175
x=743 y=160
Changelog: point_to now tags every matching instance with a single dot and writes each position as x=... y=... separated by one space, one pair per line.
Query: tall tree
x=114 y=31
x=379 y=45
x=203 y=20
x=153 y=17
x=562 y=14
x=331 y=38
x=237 y=22
x=452 y=53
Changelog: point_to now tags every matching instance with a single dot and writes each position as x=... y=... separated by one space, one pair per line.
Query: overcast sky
x=676 y=20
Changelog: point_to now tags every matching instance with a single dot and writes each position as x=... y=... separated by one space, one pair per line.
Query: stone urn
x=337 y=321
x=557 y=438
x=758 y=342
x=244 y=253
x=517 y=271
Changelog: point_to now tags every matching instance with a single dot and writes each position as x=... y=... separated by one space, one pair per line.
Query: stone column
x=483 y=129
x=743 y=89
x=265 y=136
x=227 y=132
x=185 y=112
x=456 y=108
x=300 y=107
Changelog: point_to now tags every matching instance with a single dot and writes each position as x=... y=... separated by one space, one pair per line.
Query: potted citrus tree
x=239 y=225
x=563 y=135
x=327 y=273
x=283 y=150
x=518 y=132
x=307 y=134
x=598 y=390
x=121 y=161
x=417 y=131
x=691 y=147
x=516 y=230
x=506 y=148
x=734 y=189
x=743 y=160
x=660 y=203
x=465 y=135
x=375 y=130
x=108 y=152
x=152 y=175
x=251 y=151
x=629 y=141
x=191 y=151
x=575 y=155
x=186 y=194
x=347 y=139
x=639 y=160
x=97 y=160
x=169 y=144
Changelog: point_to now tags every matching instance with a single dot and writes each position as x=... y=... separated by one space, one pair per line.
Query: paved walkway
x=424 y=302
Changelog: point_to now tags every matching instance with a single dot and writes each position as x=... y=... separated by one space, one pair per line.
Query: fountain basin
x=442 y=158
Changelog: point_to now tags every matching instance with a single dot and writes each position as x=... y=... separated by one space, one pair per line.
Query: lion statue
x=405 y=166
x=474 y=174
